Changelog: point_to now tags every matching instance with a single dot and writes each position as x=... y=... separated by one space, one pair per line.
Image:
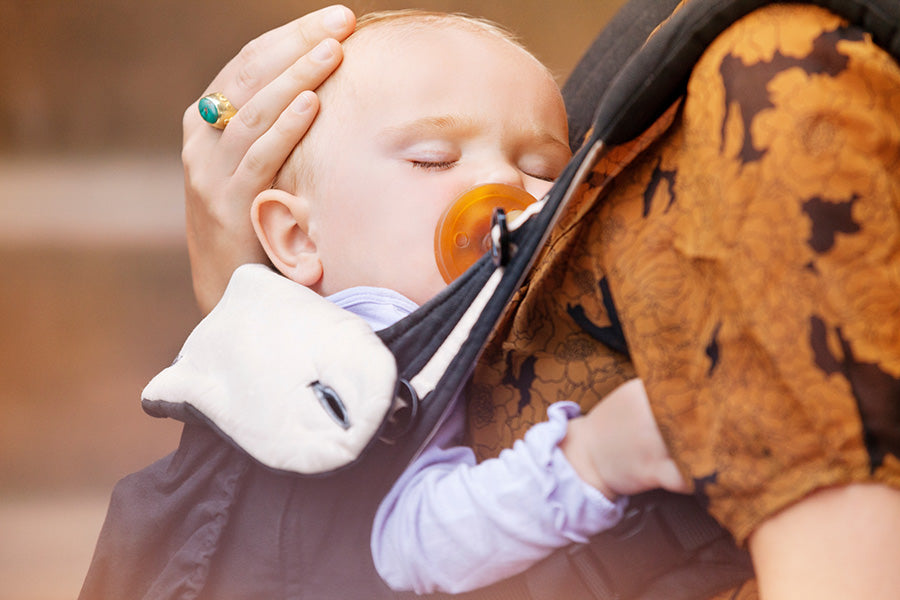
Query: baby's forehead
x=382 y=47
x=392 y=56
x=387 y=31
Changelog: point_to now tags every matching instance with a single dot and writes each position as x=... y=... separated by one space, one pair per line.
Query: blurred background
x=96 y=295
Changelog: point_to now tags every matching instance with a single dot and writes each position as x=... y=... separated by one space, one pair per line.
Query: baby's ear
x=281 y=221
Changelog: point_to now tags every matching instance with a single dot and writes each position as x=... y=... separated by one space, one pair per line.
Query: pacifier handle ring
x=500 y=250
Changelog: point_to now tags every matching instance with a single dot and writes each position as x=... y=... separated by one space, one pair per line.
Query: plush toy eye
x=332 y=404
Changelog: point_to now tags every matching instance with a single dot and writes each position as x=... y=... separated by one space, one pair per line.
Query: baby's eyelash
x=549 y=178
x=440 y=165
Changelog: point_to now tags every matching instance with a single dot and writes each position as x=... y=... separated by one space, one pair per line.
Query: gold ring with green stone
x=216 y=109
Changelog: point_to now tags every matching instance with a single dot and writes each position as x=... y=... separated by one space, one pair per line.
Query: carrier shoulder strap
x=620 y=38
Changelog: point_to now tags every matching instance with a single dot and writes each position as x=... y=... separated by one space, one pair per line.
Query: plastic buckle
x=401 y=418
x=500 y=250
x=617 y=564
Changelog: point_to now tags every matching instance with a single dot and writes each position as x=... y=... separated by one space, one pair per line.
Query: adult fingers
x=269 y=152
x=268 y=104
x=264 y=58
x=300 y=54
x=252 y=121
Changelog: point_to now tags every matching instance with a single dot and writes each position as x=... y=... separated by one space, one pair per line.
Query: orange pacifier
x=463 y=232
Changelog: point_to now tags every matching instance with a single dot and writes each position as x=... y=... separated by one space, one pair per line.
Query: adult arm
x=838 y=542
x=270 y=82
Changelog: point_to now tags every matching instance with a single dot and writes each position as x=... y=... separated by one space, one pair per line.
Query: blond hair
x=413 y=17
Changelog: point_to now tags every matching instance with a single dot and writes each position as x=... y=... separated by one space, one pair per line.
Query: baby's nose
x=507 y=174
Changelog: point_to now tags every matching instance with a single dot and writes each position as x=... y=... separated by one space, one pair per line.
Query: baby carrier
x=207 y=509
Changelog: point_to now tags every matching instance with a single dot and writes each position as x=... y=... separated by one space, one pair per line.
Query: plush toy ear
x=296 y=382
x=281 y=221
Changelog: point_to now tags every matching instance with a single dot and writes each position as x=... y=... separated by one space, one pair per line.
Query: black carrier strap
x=668 y=547
x=622 y=36
x=664 y=542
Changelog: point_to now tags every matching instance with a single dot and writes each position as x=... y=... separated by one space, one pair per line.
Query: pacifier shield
x=463 y=232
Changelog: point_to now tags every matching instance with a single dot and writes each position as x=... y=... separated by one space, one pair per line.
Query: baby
x=425 y=107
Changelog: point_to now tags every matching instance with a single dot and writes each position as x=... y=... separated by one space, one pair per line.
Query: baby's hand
x=617 y=447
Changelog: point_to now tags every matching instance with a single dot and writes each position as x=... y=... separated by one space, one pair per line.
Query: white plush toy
x=327 y=380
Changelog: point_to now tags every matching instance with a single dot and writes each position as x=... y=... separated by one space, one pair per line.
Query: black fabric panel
x=209 y=523
x=622 y=36
x=414 y=339
x=657 y=75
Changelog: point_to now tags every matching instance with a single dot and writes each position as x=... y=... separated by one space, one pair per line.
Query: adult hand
x=270 y=82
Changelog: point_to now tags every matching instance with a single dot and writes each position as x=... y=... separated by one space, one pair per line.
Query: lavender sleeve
x=451 y=524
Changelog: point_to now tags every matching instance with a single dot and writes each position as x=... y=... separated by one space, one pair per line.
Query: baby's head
x=424 y=107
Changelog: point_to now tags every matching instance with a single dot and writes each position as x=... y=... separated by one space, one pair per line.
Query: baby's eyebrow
x=449 y=124
x=458 y=124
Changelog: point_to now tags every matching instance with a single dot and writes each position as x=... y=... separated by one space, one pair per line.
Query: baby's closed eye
x=433 y=165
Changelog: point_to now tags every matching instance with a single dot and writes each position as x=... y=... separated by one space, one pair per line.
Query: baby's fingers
x=670 y=478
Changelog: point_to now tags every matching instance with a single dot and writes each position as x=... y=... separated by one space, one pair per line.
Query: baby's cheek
x=538 y=187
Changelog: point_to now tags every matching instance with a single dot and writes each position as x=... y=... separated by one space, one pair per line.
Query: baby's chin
x=425 y=289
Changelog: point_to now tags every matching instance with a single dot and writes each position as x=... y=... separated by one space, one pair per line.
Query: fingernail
x=336 y=19
x=322 y=52
x=302 y=102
